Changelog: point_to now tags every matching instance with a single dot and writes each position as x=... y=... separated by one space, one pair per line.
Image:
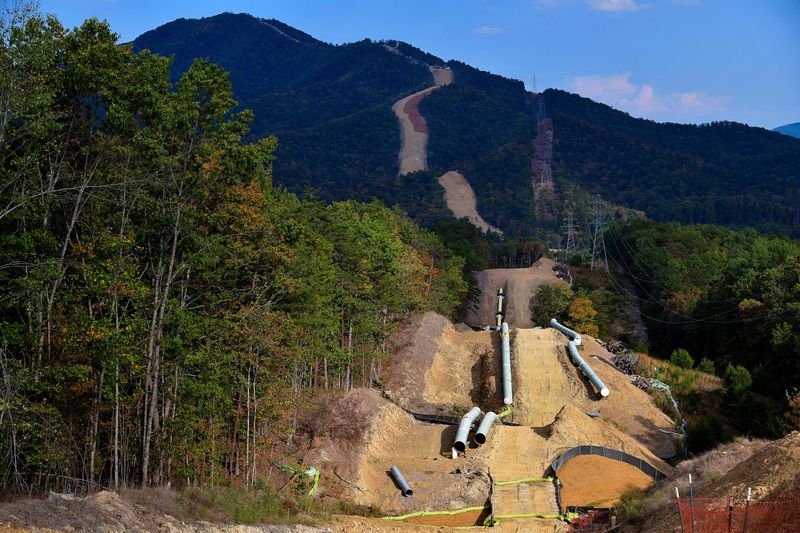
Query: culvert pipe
x=484 y=427
x=404 y=486
x=572 y=334
x=586 y=369
x=505 y=344
x=462 y=434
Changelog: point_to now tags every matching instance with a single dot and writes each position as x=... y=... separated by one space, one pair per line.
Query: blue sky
x=677 y=60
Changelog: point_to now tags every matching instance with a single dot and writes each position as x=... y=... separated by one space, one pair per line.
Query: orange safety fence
x=724 y=515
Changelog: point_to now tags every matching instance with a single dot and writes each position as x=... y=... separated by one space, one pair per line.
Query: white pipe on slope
x=462 y=434
x=506 y=348
x=587 y=370
x=574 y=335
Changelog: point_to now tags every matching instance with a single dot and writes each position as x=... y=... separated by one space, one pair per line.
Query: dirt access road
x=519 y=284
x=413 y=129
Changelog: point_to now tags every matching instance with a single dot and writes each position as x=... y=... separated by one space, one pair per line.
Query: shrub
x=707 y=366
x=681 y=358
x=705 y=434
x=737 y=378
x=550 y=300
x=582 y=316
x=792 y=416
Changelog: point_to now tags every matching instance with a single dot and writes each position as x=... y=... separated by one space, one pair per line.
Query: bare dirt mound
x=436 y=368
x=107 y=512
x=461 y=200
x=590 y=480
x=368 y=435
x=519 y=284
x=627 y=407
x=413 y=129
x=541 y=385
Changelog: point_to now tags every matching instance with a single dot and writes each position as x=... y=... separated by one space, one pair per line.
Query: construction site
x=494 y=423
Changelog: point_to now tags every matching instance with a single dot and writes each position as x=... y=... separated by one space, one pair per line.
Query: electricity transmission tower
x=598 y=243
x=571 y=229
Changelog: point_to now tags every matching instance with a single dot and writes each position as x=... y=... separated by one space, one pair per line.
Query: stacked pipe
x=506 y=348
x=462 y=434
x=596 y=381
x=484 y=427
x=499 y=314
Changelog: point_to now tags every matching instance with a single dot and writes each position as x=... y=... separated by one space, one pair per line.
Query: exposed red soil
x=412 y=110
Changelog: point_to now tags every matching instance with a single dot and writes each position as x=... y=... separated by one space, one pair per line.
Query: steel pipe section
x=484 y=427
x=462 y=434
x=500 y=301
x=586 y=369
x=404 y=486
x=508 y=396
x=574 y=335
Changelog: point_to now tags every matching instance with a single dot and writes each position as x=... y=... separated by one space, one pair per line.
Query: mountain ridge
x=330 y=106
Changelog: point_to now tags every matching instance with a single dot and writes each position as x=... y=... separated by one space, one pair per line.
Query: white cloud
x=488 y=30
x=614 y=5
x=618 y=91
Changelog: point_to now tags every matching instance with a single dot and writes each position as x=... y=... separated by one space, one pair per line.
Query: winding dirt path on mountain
x=413 y=130
x=460 y=199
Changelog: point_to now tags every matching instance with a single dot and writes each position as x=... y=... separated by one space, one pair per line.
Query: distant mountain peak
x=792 y=130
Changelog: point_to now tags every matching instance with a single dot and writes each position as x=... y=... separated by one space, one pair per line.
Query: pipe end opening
x=507 y=401
x=409 y=492
x=460 y=446
x=604 y=392
x=480 y=438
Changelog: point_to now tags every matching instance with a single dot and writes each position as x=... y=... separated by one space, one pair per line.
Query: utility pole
x=598 y=243
x=571 y=229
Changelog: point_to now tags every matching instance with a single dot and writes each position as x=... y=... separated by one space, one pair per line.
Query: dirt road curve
x=519 y=284
x=460 y=199
x=413 y=130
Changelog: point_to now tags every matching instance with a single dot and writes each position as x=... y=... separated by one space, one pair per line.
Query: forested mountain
x=792 y=130
x=331 y=107
x=153 y=281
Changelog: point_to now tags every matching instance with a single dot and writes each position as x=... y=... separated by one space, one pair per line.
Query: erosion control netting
x=610 y=453
x=714 y=515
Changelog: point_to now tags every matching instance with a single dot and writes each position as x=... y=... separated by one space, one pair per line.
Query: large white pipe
x=462 y=434
x=587 y=370
x=404 y=486
x=484 y=427
x=508 y=396
x=574 y=335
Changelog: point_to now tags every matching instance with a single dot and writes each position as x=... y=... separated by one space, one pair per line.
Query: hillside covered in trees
x=331 y=107
x=163 y=306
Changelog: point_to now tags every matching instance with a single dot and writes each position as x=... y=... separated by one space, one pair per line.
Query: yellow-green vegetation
x=165 y=310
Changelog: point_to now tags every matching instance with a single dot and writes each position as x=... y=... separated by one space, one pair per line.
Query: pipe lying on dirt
x=462 y=434
x=506 y=347
x=484 y=427
x=499 y=318
x=404 y=486
x=500 y=301
x=574 y=335
x=586 y=369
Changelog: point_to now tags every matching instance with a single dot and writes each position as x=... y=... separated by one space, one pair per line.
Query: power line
x=598 y=242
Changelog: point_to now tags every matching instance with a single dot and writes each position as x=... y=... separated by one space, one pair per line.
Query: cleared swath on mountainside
x=331 y=108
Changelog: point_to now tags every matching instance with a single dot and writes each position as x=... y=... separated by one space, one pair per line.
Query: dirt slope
x=413 y=130
x=519 y=284
x=107 y=512
x=461 y=201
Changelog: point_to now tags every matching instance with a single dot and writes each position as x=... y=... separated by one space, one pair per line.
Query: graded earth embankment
x=461 y=200
x=519 y=284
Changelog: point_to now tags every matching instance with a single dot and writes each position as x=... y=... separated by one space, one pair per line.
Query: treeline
x=720 y=173
x=727 y=296
x=163 y=306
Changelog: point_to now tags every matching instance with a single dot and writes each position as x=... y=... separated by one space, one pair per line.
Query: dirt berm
x=107 y=512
